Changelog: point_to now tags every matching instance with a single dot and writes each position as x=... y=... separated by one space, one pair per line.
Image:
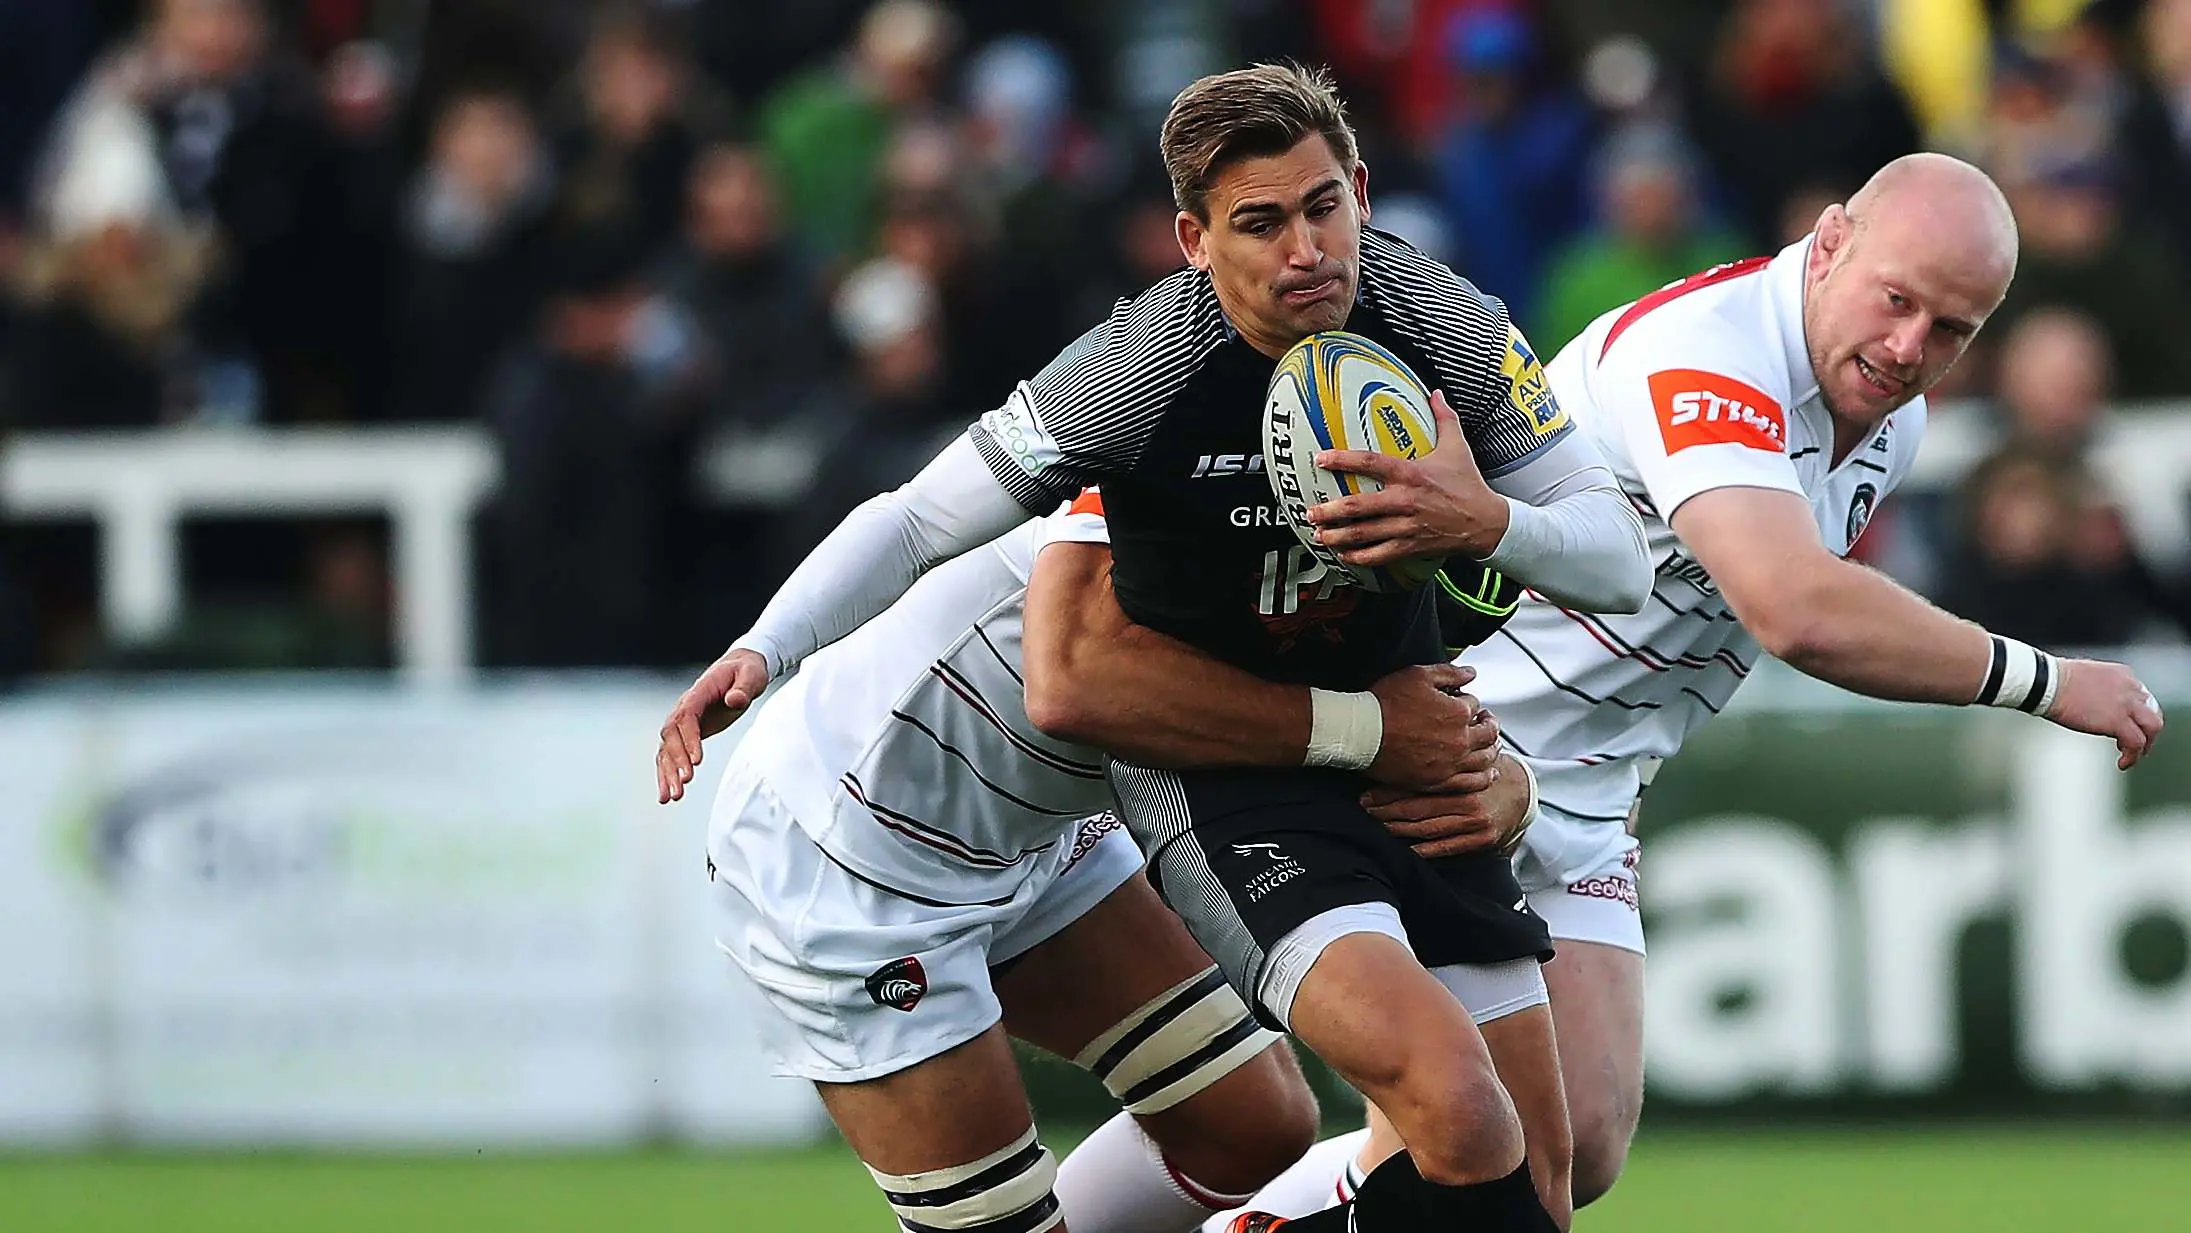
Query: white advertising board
x=349 y=915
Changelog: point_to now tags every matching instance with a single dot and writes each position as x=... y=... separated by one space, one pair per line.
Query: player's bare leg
x=1205 y=1149
x=1390 y=1028
x=1597 y=1002
x=1528 y=1062
x=951 y=1140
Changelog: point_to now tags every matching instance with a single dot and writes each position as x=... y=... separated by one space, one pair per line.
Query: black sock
x=1396 y=1199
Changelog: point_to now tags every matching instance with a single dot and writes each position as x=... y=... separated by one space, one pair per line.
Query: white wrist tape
x=1345 y=730
x=1529 y=815
x=2020 y=677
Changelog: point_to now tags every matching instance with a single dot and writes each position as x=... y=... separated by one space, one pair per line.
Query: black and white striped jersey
x=1161 y=405
x=904 y=750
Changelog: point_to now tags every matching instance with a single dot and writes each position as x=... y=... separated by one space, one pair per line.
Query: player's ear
x=1361 y=187
x=1832 y=233
x=1193 y=239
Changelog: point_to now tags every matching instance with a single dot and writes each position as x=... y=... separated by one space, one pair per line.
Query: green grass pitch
x=1872 y=1181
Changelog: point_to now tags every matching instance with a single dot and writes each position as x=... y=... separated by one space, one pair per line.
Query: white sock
x=1310 y=1185
x=1351 y=1179
x=1117 y=1181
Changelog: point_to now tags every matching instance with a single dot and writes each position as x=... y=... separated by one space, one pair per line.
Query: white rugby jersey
x=1703 y=384
x=904 y=749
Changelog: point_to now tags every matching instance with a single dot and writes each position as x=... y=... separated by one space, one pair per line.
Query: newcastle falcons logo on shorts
x=1280 y=870
x=899 y=984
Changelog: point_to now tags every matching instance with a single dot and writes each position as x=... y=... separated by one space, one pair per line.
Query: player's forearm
x=1571 y=535
x=1095 y=677
x=1857 y=628
x=1585 y=551
x=878 y=552
x=1139 y=695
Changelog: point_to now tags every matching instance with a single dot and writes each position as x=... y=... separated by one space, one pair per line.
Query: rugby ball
x=1340 y=391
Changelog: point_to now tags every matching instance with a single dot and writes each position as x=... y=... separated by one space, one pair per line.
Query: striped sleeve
x=1490 y=377
x=1088 y=414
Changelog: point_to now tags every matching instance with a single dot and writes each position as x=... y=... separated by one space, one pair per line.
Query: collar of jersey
x=1784 y=304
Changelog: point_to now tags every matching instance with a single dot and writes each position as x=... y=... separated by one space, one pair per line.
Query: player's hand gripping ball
x=1340 y=391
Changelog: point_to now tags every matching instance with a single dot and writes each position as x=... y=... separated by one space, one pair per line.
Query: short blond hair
x=1248 y=113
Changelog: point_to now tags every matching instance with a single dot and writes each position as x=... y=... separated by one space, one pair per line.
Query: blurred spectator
x=2012 y=575
x=2080 y=251
x=1789 y=100
x=2048 y=559
x=999 y=311
x=1140 y=224
x=889 y=416
x=2155 y=132
x=1649 y=233
x=470 y=241
x=2050 y=385
x=1032 y=160
x=1393 y=61
x=753 y=295
x=827 y=131
x=593 y=416
x=626 y=157
x=2053 y=383
x=749 y=47
x=2124 y=597
x=107 y=283
x=1511 y=164
x=362 y=88
x=244 y=144
x=2055 y=380
x=44 y=44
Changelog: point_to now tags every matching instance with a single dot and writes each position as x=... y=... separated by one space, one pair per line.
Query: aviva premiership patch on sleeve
x=1528 y=388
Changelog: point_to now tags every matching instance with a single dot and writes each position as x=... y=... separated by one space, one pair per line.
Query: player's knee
x=1601 y=1152
x=1265 y=1128
x=1008 y=1191
x=1461 y=1125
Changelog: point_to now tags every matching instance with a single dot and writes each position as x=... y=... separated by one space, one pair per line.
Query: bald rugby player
x=1755 y=414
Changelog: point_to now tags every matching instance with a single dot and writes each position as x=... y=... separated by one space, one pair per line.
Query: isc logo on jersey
x=1706 y=408
x=1336 y=390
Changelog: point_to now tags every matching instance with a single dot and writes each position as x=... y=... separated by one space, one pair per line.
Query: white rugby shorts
x=858 y=982
x=1580 y=876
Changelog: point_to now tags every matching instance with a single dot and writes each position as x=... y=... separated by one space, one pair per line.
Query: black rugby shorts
x=1246 y=856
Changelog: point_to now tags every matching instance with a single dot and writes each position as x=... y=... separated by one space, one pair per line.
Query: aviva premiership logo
x=1528 y=387
x=1386 y=412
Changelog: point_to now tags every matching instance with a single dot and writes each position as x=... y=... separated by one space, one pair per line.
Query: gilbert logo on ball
x=1340 y=391
x=899 y=984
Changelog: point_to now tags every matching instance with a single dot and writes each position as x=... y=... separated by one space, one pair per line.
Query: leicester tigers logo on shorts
x=899 y=984
x=1860 y=509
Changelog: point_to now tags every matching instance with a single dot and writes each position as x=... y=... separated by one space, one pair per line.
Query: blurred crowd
x=628 y=237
